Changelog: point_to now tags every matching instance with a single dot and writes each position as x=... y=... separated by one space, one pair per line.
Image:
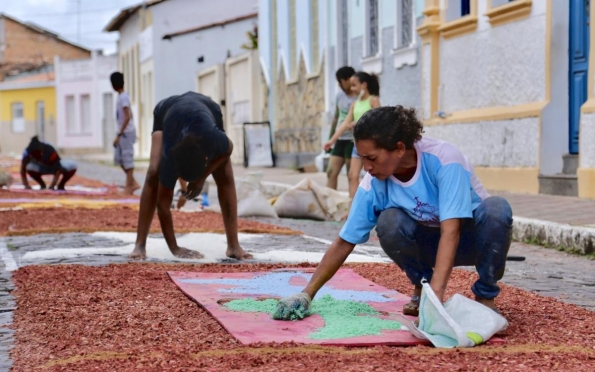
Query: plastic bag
x=461 y=322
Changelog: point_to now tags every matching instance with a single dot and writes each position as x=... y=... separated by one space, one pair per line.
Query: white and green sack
x=461 y=322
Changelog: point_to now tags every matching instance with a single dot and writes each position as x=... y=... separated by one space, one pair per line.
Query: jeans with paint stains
x=484 y=243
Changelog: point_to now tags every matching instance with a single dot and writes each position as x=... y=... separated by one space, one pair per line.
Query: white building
x=85 y=104
x=303 y=43
x=163 y=44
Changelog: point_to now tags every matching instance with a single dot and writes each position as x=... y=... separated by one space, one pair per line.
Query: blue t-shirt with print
x=444 y=187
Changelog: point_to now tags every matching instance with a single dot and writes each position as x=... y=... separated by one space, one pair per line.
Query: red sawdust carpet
x=59 y=220
x=132 y=317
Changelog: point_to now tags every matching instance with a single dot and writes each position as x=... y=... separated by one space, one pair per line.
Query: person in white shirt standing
x=125 y=135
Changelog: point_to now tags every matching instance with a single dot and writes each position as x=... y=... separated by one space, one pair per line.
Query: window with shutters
x=405 y=48
x=71 y=124
x=342 y=33
x=18 y=118
x=405 y=24
x=372 y=61
x=372 y=29
x=85 y=112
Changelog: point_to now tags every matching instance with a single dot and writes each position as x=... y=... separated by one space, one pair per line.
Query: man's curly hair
x=388 y=125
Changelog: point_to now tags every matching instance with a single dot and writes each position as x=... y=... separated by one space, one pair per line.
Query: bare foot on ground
x=131 y=190
x=139 y=253
x=187 y=253
x=238 y=253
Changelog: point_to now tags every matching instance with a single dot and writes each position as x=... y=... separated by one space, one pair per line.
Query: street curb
x=575 y=239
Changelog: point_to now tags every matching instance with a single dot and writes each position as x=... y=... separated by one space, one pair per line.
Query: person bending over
x=40 y=159
x=430 y=211
x=188 y=142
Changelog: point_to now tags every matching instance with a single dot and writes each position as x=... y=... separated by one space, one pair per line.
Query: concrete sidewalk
x=560 y=222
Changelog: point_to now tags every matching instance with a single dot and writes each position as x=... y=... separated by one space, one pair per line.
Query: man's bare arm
x=148 y=200
x=164 y=199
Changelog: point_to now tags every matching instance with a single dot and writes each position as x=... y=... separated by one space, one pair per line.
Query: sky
x=60 y=17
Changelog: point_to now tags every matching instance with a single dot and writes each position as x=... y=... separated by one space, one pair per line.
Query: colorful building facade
x=504 y=81
x=510 y=82
x=27 y=108
x=303 y=43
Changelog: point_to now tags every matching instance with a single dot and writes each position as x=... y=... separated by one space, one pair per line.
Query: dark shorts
x=62 y=165
x=343 y=149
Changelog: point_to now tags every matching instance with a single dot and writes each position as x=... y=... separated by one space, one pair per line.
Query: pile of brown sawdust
x=61 y=220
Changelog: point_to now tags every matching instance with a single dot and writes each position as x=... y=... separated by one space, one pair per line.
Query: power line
x=73 y=13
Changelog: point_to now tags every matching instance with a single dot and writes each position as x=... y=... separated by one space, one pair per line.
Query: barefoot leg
x=139 y=253
x=131 y=184
x=187 y=253
x=238 y=253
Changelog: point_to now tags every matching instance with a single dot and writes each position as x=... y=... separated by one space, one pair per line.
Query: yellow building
x=27 y=108
x=505 y=81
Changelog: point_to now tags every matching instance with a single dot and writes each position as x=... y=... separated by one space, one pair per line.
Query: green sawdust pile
x=342 y=318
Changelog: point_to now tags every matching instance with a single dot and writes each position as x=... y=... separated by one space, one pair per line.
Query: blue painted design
x=277 y=284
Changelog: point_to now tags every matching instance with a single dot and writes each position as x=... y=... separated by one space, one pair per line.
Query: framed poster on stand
x=258 y=145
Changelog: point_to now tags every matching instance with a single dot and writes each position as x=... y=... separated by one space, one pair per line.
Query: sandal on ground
x=412 y=308
x=495 y=309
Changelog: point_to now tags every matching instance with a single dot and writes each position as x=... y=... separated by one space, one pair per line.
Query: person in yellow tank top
x=368 y=89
